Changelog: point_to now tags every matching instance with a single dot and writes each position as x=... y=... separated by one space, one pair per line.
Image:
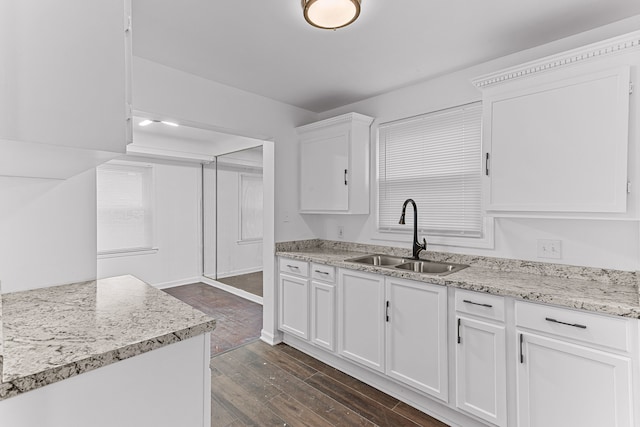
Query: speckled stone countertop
x=605 y=291
x=51 y=334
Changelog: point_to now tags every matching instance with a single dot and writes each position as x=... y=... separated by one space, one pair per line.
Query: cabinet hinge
x=386 y=311
x=630 y=88
x=127 y=24
x=628 y=187
x=345 y=177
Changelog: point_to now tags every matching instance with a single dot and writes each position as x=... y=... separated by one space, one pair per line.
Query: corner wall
x=48 y=231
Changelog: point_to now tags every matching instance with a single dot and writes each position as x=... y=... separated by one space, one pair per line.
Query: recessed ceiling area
x=184 y=140
x=267 y=48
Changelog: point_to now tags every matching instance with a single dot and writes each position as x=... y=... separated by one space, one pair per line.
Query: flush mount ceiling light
x=331 y=14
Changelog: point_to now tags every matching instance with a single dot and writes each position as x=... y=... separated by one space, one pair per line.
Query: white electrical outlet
x=548 y=248
x=340 y=232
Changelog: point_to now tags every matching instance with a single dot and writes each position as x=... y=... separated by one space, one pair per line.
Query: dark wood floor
x=260 y=385
x=254 y=384
x=239 y=321
x=250 y=282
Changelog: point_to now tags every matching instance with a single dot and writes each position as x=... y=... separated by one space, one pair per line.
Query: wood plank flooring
x=250 y=282
x=255 y=384
x=260 y=385
x=239 y=321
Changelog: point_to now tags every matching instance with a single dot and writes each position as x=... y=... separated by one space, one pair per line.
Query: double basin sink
x=418 y=266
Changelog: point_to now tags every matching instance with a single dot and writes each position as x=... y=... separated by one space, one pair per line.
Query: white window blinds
x=434 y=159
x=124 y=208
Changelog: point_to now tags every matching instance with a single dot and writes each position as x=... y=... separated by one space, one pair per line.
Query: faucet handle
x=424 y=244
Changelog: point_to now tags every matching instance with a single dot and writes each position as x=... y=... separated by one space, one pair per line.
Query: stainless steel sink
x=409 y=264
x=379 y=260
x=431 y=267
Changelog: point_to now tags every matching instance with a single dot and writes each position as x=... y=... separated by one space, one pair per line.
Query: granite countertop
x=51 y=334
x=611 y=292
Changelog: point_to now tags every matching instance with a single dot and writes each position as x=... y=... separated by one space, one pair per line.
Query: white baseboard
x=269 y=338
x=231 y=289
x=180 y=282
x=238 y=272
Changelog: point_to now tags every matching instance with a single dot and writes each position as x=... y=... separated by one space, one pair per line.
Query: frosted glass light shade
x=331 y=14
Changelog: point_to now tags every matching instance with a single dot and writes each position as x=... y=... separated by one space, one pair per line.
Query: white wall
x=172 y=93
x=611 y=244
x=177 y=236
x=48 y=231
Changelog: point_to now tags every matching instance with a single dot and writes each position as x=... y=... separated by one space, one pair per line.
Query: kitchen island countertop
x=51 y=334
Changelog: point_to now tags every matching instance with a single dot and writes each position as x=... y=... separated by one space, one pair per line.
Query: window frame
x=251 y=176
x=485 y=241
x=151 y=202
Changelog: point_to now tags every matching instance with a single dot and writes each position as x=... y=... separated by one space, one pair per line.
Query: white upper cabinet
x=556 y=131
x=334 y=165
x=66 y=84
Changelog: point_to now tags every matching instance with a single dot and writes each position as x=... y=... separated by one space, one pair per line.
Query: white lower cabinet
x=323 y=297
x=361 y=321
x=323 y=306
x=294 y=305
x=562 y=383
x=481 y=370
x=548 y=366
x=416 y=327
x=480 y=356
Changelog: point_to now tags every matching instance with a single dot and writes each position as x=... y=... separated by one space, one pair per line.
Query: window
x=250 y=207
x=124 y=208
x=434 y=159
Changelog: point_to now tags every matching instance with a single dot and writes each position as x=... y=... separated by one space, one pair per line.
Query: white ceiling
x=266 y=47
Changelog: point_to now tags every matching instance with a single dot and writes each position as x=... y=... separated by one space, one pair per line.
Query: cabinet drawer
x=480 y=304
x=590 y=328
x=294 y=266
x=323 y=272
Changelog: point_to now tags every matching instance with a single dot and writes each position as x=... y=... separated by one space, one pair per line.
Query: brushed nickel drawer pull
x=477 y=303
x=322 y=272
x=575 y=325
x=293 y=266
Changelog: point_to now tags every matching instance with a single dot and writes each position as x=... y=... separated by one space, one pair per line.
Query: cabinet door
x=64 y=73
x=323 y=314
x=361 y=318
x=324 y=164
x=293 y=310
x=481 y=387
x=559 y=142
x=562 y=384
x=417 y=335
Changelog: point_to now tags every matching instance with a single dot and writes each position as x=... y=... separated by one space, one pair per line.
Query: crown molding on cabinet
x=605 y=48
